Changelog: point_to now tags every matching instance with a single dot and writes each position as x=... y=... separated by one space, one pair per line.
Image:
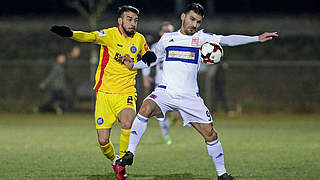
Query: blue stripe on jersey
x=184 y=49
x=162 y=86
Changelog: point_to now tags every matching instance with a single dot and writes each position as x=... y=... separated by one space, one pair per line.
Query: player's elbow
x=149 y=57
x=228 y=43
x=146 y=109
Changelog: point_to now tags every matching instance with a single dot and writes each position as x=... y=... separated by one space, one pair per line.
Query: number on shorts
x=130 y=100
x=208 y=115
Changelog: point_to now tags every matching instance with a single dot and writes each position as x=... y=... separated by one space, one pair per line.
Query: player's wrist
x=139 y=65
x=149 y=57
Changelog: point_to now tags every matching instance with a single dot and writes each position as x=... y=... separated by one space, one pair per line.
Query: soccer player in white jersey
x=179 y=89
x=164 y=123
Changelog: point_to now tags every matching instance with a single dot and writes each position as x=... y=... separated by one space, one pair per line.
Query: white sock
x=214 y=149
x=138 y=128
x=164 y=126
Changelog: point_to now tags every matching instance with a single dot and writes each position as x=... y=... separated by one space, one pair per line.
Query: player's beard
x=129 y=33
x=186 y=29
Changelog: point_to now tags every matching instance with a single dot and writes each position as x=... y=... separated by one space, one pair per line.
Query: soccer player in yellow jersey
x=115 y=83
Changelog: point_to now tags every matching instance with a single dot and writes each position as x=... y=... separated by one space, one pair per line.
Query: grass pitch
x=255 y=146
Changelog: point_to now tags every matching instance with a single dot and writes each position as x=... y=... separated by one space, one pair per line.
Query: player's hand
x=127 y=61
x=147 y=80
x=63 y=31
x=267 y=36
x=149 y=57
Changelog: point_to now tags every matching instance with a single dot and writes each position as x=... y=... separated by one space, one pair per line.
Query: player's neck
x=122 y=32
x=182 y=31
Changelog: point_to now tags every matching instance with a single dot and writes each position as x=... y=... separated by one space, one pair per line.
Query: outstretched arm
x=236 y=40
x=65 y=31
x=146 y=60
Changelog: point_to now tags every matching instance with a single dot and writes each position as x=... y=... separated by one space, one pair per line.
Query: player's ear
x=183 y=15
x=119 y=20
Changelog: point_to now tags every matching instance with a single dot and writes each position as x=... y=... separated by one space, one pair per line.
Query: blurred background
x=279 y=76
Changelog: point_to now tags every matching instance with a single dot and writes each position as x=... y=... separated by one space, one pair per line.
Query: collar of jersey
x=123 y=35
x=179 y=31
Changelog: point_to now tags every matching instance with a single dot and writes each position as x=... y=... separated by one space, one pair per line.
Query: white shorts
x=191 y=108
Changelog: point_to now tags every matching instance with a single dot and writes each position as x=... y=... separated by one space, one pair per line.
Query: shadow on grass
x=186 y=176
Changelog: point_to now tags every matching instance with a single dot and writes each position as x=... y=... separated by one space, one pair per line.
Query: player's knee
x=126 y=125
x=211 y=135
x=103 y=141
x=145 y=110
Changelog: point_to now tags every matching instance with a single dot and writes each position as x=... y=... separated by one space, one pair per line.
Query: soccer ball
x=211 y=52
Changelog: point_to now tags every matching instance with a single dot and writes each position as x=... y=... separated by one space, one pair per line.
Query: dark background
x=22 y=7
x=281 y=75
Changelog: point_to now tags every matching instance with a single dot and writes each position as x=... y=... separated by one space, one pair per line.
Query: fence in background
x=268 y=86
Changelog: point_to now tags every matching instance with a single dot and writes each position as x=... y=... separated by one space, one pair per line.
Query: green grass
x=255 y=146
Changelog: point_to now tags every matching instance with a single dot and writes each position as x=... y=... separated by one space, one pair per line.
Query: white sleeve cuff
x=139 y=65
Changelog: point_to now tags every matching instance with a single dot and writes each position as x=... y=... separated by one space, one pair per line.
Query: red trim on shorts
x=104 y=62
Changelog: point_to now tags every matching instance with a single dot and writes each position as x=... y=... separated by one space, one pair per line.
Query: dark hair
x=196 y=7
x=126 y=8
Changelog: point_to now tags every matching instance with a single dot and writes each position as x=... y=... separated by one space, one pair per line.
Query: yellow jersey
x=112 y=76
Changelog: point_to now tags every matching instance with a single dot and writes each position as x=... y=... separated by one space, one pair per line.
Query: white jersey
x=181 y=60
x=159 y=67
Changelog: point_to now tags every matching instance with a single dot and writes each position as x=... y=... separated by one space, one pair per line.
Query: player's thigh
x=149 y=108
x=156 y=104
x=125 y=108
x=104 y=114
x=176 y=114
x=206 y=130
x=193 y=109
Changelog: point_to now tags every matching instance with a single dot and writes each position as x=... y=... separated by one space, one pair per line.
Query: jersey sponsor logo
x=100 y=121
x=183 y=54
x=101 y=33
x=195 y=41
x=117 y=57
x=133 y=49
